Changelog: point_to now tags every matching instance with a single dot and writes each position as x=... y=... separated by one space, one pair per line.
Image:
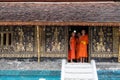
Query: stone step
x=78 y=63
x=80 y=76
x=77 y=66
x=78 y=70
x=77 y=79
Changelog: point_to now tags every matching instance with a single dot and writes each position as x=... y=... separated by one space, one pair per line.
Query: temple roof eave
x=73 y=12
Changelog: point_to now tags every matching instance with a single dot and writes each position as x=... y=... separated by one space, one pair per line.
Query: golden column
x=7 y=39
x=38 y=42
x=119 y=46
x=119 y=52
x=1 y=39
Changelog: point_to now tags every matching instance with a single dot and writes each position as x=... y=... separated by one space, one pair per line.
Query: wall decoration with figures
x=103 y=42
x=17 y=39
x=54 y=40
x=102 y=39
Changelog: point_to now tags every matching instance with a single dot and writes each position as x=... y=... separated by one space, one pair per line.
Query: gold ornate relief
x=104 y=42
x=18 y=55
x=54 y=41
x=17 y=40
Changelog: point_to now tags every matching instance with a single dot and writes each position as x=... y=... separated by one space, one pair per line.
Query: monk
x=77 y=46
x=82 y=51
x=71 y=55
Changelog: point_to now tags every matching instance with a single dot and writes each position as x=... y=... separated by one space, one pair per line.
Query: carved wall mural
x=103 y=42
x=102 y=39
x=54 y=40
x=20 y=41
x=17 y=39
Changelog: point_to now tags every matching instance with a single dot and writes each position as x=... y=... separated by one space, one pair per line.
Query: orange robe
x=71 y=54
x=77 y=47
x=82 y=52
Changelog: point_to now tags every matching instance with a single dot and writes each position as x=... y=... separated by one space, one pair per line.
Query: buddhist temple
x=41 y=28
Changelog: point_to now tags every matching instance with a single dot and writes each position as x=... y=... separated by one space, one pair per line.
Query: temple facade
x=30 y=29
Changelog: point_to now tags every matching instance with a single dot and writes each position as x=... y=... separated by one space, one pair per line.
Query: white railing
x=94 y=69
x=63 y=69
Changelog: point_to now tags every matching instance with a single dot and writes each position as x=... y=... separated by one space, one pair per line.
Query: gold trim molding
x=18 y=55
x=104 y=55
x=31 y=55
x=53 y=55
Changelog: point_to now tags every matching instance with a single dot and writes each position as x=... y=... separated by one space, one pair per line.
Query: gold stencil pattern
x=104 y=42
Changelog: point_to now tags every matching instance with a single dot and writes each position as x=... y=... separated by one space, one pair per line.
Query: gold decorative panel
x=17 y=40
x=104 y=42
x=102 y=39
x=54 y=41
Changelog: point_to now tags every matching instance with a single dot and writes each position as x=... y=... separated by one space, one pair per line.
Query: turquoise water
x=109 y=74
x=29 y=75
x=51 y=75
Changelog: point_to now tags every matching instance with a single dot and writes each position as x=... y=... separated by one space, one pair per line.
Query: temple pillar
x=1 y=39
x=119 y=51
x=119 y=47
x=38 y=42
